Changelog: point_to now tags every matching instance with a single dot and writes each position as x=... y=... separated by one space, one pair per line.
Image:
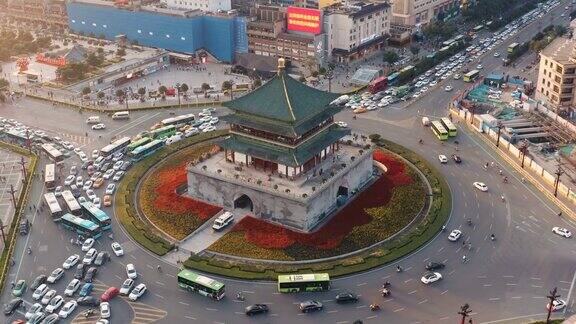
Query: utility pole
x=524 y=150
x=329 y=77
x=12 y=192
x=464 y=312
x=2 y=226
x=178 y=92
x=499 y=126
x=23 y=164
x=28 y=141
x=559 y=172
x=552 y=297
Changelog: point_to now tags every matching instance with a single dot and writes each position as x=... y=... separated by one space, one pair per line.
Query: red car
x=109 y=294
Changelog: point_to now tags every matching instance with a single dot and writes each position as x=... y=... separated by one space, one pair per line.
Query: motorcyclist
x=374 y=306
x=420 y=141
x=492 y=236
x=503 y=198
x=464 y=258
x=398 y=268
x=505 y=179
x=239 y=296
x=469 y=221
x=386 y=284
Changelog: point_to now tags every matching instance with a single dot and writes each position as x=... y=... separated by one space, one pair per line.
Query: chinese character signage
x=304 y=20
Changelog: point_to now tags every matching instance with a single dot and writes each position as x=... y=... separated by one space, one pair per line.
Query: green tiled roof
x=284 y=99
x=283 y=155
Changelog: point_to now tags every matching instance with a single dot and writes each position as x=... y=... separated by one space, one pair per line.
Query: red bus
x=378 y=84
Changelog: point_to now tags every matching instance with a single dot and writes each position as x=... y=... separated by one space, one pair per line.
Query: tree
x=390 y=57
x=4 y=84
x=120 y=94
x=205 y=87
x=100 y=50
x=322 y=70
x=100 y=95
x=257 y=83
x=121 y=52
x=2 y=97
x=142 y=93
x=86 y=90
x=162 y=90
x=226 y=85
x=414 y=49
x=184 y=87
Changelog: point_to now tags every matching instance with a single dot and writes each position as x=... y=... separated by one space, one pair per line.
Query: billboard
x=304 y=20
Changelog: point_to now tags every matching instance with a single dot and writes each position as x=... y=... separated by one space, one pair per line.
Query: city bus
x=50 y=176
x=96 y=215
x=439 y=130
x=163 y=132
x=71 y=202
x=448 y=125
x=53 y=153
x=136 y=143
x=143 y=151
x=303 y=282
x=117 y=146
x=197 y=283
x=478 y=28
x=512 y=48
x=471 y=76
x=81 y=226
x=178 y=120
x=53 y=205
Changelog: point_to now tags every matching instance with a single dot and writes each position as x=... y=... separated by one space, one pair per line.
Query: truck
x=378 y=84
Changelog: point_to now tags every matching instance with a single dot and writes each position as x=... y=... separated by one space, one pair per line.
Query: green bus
x=81 y=226
x=163 y=132
x=471 y=76
x=439 y=130
x=448 y=125
x=140 y=142
x=205 y=286
x=143 y=151
x=512 y=47
x=303 y=282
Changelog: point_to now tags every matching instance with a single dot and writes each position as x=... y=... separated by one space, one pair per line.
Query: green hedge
x=386 y=253
x=19 y=211
x=143 y=233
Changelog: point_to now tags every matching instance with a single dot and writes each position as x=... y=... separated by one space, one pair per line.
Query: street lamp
x=178 y=92
x=329 y=76
x=559 y=172
x=499 y=126
x=524 y=150
x=552 y=297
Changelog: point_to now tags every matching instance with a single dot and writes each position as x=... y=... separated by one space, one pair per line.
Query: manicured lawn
x=376 y=213
x=175 y=214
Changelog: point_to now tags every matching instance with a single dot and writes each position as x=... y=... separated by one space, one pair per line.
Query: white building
x=205 y=5
x=356 y=30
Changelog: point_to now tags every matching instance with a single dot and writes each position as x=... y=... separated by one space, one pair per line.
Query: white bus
x=117 y=146
x=50 y=176
x=73 y=205
x=178 y=120
x=121 y=115
x=53 y=153
x=53 y=205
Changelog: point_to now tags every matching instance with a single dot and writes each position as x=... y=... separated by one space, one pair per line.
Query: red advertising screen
x=304 y=20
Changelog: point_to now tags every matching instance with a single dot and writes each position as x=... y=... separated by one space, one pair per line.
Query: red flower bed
x=268 y=235
x=167 y=200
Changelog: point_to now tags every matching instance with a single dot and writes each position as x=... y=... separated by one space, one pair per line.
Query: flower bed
x=375 y=214
x=159 y=200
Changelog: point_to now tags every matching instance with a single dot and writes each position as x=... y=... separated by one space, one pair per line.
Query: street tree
x=205 y=87
x=4 y=84
x=121 y=52
x=100 y=95
x=390 y=57
x=162 y=90
x=184 y=88
x=226 y=85
x=86 y=90
x=120 y=94
x=257 y=83
x=414 y=49
x=142 y=93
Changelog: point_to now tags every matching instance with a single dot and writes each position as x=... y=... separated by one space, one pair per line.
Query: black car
x=101 y=258
x=24 y=226
x=346 y=297
x=456 y=158
x=38 y=281
x=256 y=309
x=90 y=274
x=88 y=301
x=310 y=305
x=431 y=266
x=79 y=273
x=12 y=306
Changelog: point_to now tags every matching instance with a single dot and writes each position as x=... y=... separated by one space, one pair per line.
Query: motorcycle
x=385 y=292
x=240 y=297
x=469 y=222
x=398 y=269
x=492 y=237
x=374 y=307
x=89 y=313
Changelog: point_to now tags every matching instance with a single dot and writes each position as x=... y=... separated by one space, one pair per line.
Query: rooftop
x=561 y=50
x=154 y=9
x=357 y=9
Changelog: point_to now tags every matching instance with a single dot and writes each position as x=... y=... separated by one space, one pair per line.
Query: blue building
x=178 y=31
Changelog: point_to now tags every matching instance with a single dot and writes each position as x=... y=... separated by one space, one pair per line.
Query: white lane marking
x=159 y=296
x=361 y=284
x=510 y=284
x=488 y=285
x=516 y=297
x=536 y=286
x=183 y=303
x=423 y=301
x=160 y=283
x=481 y=277
x=332 y=311
x=412 y=292
x=190 y=317
x=494 y=299
x=399 y=310
x=407 y=281
x=535 y=278
x=508 y=276
x=444 y=318
x=211 y=309
x=445 y=291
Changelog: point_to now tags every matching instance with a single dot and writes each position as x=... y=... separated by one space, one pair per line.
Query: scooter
x=374 y=307
x=385 y=292
x=240 y=297
x=89 y=312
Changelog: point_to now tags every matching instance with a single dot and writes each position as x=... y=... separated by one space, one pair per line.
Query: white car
x=40 y=292
x=442 y=158
x=131 y=271
x=214 y=121
x=69 y=180
x=190 y=132
x=88 y=244
x=557 y=305
x=55 y=275
x=83 y=157
x=91 y=194
x=118 y=175
x=110 y=189
x=479 y=67
x=72 y=287
x=105 y=310
x=102 y=321
x=98 y=126
x=71 y=261
x=108 y=174
x=454 y=235
x=54 y=304
x=126 y=286
x=137 y=292
x=79 y=181
x=562 y=231
x=48 y=296
x=480 y=186
x=341 y=124
x=89 y=257
x=117 y=249
x=95 y=154
x=457 y=76
x=68 y=308
x=208 y=129
x=87 y=185
x=58 y=191
x=448 y=88
x=117 y=165
x=37 y=307
x=96 y=202
x=430 y=277
x=496 y=54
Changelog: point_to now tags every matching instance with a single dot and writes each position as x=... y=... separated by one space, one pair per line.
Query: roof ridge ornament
x=281 y=65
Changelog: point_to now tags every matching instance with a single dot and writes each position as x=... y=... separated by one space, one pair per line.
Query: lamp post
x=559 y=172
x=499 y=126
x=524 y=150
x=329 y=76
x=552 y=297
x=178 y=92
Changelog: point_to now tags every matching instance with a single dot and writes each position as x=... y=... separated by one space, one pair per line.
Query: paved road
x=505 y=279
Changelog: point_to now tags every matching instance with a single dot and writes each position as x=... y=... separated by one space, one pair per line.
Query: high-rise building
x=420 y=12
x=205 y=5
x=557 y=75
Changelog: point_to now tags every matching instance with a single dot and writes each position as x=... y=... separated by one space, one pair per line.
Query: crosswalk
x=143 y=313
x=78 y=139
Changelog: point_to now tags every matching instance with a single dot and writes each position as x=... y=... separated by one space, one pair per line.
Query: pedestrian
x=12 y=284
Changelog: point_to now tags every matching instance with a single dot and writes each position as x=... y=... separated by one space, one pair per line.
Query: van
x=223 y=221
x=121 y=115
x=173 y=139
x=425 y=121
x=93 y=120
